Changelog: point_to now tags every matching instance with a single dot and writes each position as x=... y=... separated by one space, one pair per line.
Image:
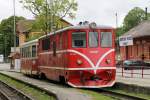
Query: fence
x=132 y=72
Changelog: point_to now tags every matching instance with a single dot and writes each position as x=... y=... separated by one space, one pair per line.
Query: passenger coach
x=81 y=56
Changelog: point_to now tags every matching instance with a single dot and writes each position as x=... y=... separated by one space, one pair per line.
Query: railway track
x=9 y=93
x=114 y=95
x=3 y=96
x=118 y=96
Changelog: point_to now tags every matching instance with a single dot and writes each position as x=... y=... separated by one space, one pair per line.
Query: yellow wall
x=22 y=38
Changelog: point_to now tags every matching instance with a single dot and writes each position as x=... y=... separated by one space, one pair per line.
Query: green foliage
x=7 y=35
x=119 y=31
x=39 y=24
x=49 y=12
x=35 y=36
x=133 y=18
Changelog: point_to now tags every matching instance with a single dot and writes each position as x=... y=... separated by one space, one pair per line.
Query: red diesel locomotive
x=81 y=56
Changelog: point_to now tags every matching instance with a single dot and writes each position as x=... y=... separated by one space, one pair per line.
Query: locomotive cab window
x=79 y=39
x=106 y=39
x=93 y=39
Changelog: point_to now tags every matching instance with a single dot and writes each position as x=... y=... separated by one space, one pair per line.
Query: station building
x=140 y=50
x=25 y=29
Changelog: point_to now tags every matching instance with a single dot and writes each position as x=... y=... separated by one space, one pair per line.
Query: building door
x=127 y=53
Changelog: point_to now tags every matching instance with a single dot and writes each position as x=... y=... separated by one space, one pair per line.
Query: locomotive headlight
x=79 y=62
x=108 y=61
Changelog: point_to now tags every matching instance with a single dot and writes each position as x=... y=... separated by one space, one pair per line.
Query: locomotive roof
x=30 y=42
x=78 y=27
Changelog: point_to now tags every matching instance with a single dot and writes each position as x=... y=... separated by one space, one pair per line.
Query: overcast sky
x=100 y=11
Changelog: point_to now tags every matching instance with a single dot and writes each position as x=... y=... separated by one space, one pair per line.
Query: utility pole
x=52 y=22
x=46 y=17
x=14 y=25
x=116 y=20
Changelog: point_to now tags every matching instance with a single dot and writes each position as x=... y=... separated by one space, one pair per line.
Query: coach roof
x=29 y=43
x=78 y=27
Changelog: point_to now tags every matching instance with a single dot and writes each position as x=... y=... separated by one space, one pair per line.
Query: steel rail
x=118 y=96
x=3 y=96
x=31 y=85
x=12 y=93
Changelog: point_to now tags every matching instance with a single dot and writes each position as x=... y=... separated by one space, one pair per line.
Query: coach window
x=46 y=44
x=106 y=39
x=28 y=52
x=34 y=51
x=22 y=52
x=93 y=39
x=79 y=39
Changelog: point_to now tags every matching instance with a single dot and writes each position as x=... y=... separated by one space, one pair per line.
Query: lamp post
x=14 y=25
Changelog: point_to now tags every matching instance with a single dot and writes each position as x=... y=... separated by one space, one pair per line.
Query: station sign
x=126 y=40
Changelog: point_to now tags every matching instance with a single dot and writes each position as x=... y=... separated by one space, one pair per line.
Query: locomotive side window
x=93 y=39
x=79 y=39
x=46 y=44
x=106 y=39
x=34 y=51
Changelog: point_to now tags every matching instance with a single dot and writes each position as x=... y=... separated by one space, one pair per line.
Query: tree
x=133 y=18
x=119 y=31
x=49 y=12
x=7 y=35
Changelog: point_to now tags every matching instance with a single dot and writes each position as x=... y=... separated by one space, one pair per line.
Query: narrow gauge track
x=117 y=96
x=9 y=93
x=3 y=96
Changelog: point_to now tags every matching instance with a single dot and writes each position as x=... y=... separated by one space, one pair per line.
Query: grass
x=34 y=93
x=96 y=96
x=123 y=91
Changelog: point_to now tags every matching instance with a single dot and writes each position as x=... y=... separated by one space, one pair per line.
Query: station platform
x=6 y=67
x=133 y=81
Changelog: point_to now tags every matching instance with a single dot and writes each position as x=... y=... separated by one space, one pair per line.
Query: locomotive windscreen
x=78 y=43
x=79 y=39
x=106 y=39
